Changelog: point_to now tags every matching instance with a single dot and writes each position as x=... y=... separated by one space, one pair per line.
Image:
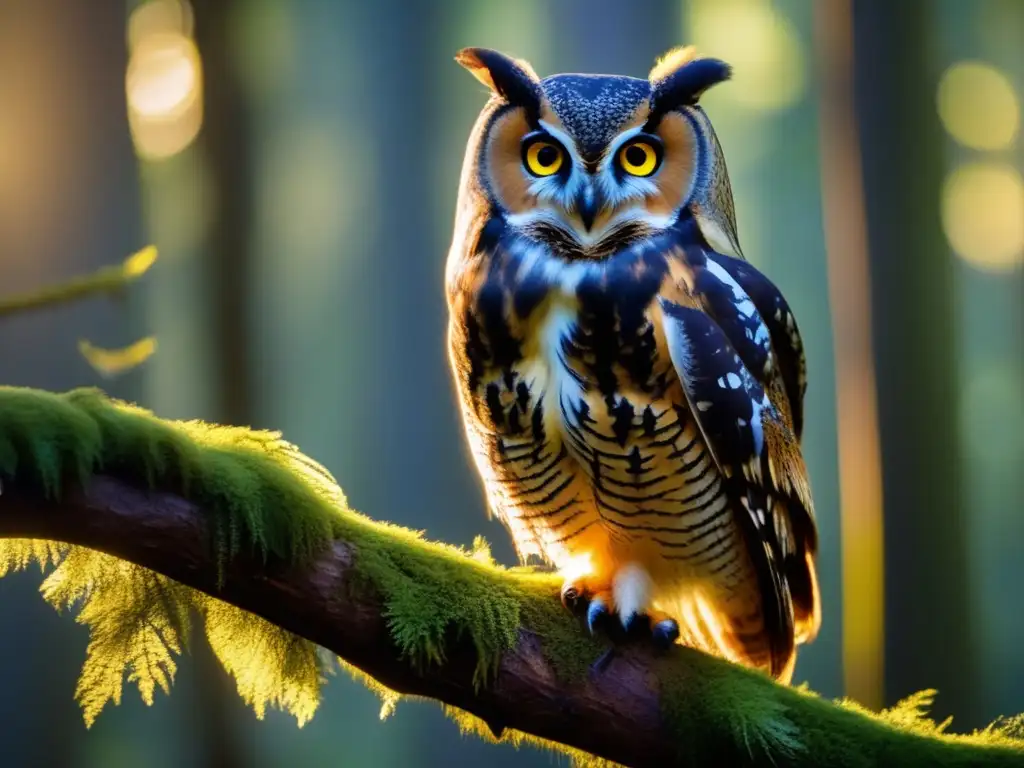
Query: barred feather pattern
x=598 y=433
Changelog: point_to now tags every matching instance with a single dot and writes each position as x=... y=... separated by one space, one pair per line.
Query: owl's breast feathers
x=650 y=403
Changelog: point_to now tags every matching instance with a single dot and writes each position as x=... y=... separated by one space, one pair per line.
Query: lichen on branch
x=147 y=523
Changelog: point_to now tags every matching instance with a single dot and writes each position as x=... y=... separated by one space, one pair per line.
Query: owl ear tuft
x=670 y=61
x=512 y=79
x=680 y=77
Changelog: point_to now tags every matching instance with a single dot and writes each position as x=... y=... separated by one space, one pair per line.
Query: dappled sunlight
x=163 y=77
x=163 y=83
x=711 y=622
x=577 y=567
x=762 y=46
x=983 y=215
x=978 y=105
x=300 y=166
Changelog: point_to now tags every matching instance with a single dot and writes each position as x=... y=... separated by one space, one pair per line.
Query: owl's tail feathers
x=803 y=586
x=735 y=632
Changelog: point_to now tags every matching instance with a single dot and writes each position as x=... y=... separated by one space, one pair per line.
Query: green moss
x=265 y=496
x=793 y=726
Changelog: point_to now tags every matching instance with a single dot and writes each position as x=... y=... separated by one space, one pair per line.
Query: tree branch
x=110 y=281
x=106 y=280
x=617 y=714
x=167 y=534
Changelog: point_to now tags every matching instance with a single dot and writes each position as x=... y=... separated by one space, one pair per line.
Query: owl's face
x=587 y=164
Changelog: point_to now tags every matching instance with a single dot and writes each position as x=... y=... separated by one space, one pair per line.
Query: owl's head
x=588 y=164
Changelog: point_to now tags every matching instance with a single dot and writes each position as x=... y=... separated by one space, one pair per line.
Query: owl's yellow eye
x=639 y=158
x=543 y=158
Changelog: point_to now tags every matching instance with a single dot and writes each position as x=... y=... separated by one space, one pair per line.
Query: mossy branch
x=245 y=518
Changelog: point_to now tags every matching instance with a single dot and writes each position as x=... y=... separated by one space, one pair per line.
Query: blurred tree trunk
x=641 y=35
x=860 y=470
x=227 y=146
x=929 y=636
x=225 y=143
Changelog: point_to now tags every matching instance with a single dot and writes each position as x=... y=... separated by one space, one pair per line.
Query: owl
x=631 y=387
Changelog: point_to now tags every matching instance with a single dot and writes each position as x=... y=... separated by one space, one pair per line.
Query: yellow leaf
x=110 y=362
x=139 y=262
x=270 y=665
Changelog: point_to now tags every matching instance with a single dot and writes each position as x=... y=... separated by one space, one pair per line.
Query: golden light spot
x=163 y=76
x=577 y=567
x=481 y=551
x=139 y=262
x=711 y=620
x=760 y=43
x=978 y=105
x=159 y=17
x=983 y=215
x=163 y=83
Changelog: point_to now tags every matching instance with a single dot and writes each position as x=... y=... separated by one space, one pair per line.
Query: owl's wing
x=758 y=323
x=778 y=318
x=723 y=354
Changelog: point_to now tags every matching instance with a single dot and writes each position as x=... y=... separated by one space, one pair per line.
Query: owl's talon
x=603 y=661
x=665 y=633
x=598 y=606
x=572 y=596
x=597 y=612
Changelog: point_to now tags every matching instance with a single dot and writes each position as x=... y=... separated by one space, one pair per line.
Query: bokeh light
x=319 y=176
x=163 y=76
x=978 y=105
x=759 y=42
x=983 y=215
x=992 y=415
x=163 y=83
x=157 y=17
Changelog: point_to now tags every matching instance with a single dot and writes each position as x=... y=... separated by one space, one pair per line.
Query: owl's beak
x=589 y=202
